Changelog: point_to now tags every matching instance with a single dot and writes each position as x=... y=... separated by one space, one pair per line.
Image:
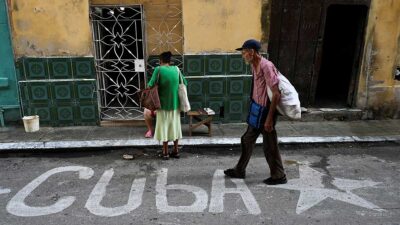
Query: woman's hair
x=165 y=57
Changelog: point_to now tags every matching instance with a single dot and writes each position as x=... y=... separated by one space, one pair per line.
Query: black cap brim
x=239 y=49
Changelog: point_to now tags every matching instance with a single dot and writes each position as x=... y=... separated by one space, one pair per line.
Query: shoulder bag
x=257 y=113
x=182 y=92
x=289 y=104
x=149 y=97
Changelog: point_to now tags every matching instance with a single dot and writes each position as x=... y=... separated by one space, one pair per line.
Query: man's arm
x=276 y=96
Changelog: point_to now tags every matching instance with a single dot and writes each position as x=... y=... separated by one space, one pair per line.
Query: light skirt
x=168 y=125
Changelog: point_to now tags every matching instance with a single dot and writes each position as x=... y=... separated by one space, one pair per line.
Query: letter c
x=17 y=206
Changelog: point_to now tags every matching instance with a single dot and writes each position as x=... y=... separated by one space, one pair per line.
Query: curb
x=32 y=145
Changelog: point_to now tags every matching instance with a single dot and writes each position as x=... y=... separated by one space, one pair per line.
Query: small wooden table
x=203 y=117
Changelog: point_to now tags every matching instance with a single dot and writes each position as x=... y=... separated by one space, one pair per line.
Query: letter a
x=218 y=190
x=161 y=198
x=99 y=191
x=17 y=206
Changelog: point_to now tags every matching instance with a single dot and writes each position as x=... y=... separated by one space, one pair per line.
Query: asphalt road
x=327 y=185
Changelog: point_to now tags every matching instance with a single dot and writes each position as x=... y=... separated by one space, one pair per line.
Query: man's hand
x=276 y=96
x=268 y=125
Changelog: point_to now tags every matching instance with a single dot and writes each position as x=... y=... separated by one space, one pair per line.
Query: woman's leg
x=165 y=148
x=148 y=119
x=176 y=146
x=175 y=153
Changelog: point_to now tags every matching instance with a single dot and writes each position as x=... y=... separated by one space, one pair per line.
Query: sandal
x=174 y=155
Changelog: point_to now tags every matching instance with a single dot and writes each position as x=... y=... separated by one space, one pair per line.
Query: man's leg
x=248 y=141
x=271 y=151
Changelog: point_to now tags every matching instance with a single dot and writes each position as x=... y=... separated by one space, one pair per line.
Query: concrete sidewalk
x=289 y=132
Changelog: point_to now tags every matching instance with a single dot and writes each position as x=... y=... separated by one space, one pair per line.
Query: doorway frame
x=137 y=109
x=319 y=49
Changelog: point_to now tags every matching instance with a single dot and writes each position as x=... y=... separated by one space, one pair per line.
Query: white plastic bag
x=289 y=104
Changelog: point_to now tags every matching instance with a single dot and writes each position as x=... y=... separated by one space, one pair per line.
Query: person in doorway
x=149 y=116
x=264 y=74
x=168 y=124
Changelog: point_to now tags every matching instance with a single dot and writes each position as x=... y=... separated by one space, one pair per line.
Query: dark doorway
x=342 y=44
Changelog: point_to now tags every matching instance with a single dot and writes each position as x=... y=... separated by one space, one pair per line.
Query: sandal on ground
x=148 y=134
x=174 y=155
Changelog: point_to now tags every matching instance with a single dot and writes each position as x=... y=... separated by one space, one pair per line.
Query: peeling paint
x=265 y=23
x=42 y=28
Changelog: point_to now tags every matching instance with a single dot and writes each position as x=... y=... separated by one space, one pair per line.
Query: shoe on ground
x=148 y=134
x=234 y=174
x=270 y=181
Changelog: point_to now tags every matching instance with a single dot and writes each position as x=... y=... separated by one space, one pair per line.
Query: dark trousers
x=270 y=147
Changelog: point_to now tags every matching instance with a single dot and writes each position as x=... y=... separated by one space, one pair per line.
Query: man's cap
x=250 y=44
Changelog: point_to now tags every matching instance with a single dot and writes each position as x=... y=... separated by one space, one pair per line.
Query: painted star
x=4 y=191
x=313 y=191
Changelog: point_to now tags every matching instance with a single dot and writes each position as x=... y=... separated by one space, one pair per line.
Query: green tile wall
x=62 y=91
x=194 y=65
x=215 y=64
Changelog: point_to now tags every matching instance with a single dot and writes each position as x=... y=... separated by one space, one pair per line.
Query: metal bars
x=119 y=58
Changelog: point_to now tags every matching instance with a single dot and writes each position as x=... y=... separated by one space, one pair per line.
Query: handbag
x=182 y=93
x=149 y=97
x=257 y=115
x=289 y=104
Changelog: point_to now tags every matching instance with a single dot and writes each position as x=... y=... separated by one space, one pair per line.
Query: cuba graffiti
x=215 y=204
x=309 y=185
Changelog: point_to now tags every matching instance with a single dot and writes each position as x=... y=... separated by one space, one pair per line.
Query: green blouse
x=167 y=86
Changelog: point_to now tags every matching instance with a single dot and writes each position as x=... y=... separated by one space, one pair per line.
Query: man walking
x=264 y=74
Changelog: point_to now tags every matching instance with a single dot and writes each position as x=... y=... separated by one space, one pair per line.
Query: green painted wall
x=9 y=103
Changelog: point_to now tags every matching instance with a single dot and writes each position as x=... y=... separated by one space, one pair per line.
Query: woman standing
x=168 y=124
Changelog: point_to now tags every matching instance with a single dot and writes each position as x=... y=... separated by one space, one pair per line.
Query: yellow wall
x=50 y=27
x=220 y=26
x=378 y=90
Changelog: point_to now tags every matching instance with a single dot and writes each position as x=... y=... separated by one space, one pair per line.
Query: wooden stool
x=203 y=117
